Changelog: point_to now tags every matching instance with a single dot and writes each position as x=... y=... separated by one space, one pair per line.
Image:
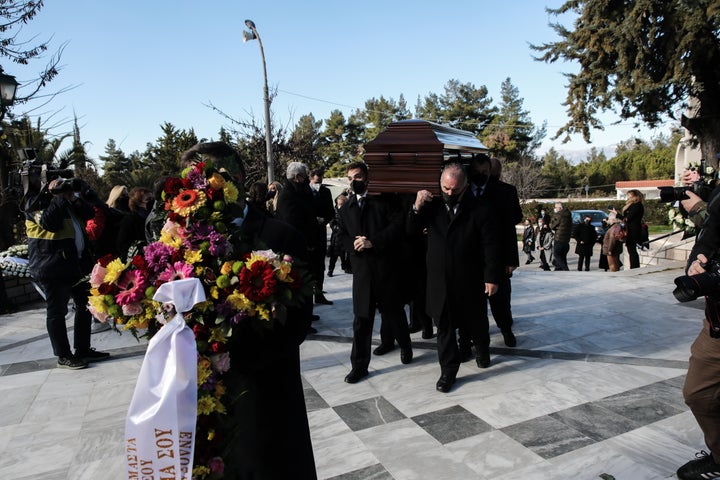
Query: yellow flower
x=220 y=389
x=217 y=181
x=241 y=302
x=206 y=405
x=214 y=293
x=226 y=268
x=98 y=303
x=230 y=192
x=263 y=312
x=169 y=238
x=217 y=335
x=203 y=370
x=193 y=256
x=200 y=471
x=283 y=272
x=114 y=270
x=211 y=435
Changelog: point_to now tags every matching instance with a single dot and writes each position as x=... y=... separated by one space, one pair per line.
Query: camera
x=676 y=194
x=703 y=185
x=690 y=287
x=63 y=185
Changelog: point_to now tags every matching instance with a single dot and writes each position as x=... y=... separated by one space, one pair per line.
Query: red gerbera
x=258 y=282
x=106 y=259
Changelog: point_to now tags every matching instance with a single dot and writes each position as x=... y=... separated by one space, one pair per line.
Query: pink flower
x=132 y=287
x=221 y=362
x=217 y=466
x=97 y=275
x=176 y=271
x=132 y=309
x=101 y=316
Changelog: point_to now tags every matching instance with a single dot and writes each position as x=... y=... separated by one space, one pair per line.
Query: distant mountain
x=575 y=156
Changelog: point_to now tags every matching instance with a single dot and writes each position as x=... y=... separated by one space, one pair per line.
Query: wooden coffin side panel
x=404 y=172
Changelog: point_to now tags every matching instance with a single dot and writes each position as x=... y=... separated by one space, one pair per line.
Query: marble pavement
x=593 y=388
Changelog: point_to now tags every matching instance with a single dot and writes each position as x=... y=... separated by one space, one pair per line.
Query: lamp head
x=248 y=36
x=250 y=24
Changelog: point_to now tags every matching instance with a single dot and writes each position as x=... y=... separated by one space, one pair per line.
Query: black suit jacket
x=376 y=271
x=462 y=255
x=504 y=200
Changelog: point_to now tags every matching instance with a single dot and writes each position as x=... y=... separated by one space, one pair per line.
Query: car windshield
x=596 y=216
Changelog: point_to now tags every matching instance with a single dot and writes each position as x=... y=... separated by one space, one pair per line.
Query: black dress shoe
x=428 y=333
x=406 y=355
x=465 y=353
x=355 y=376
x=415 y=327
x=314 y=317
x=445 y=382
x=321 y=300
x=330 y=274
x=311 y=330
x=509 y=338
x=383 y=349
x=483 y=359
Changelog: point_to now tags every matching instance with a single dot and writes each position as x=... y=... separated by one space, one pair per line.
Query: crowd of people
x=461 y=245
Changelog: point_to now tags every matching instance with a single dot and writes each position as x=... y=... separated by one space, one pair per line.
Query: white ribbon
x=160 y=424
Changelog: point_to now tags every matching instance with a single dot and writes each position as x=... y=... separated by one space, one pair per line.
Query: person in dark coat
x=585 y=236
x=503 y=199
x=561 y=225
x=58 y=259
x=632 y=214
x=528 y=240
x=295 y=207
x=372 y=232
x=324 y=213
x=130 y=236
x=463 y=267
x=336 y=247
x=267 y=435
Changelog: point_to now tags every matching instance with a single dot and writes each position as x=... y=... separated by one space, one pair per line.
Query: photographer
x=58 y=261
x=703 y=376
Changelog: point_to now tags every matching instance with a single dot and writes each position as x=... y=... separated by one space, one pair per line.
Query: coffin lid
x=422 y=135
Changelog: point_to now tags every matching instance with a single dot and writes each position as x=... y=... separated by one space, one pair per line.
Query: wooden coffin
x=409 y=154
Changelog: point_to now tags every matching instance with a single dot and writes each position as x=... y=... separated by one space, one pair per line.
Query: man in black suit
x=324 y=213
x=266 y=433
x=504 y=200
x=372 y=232
x=462 y=267
x=295 y=207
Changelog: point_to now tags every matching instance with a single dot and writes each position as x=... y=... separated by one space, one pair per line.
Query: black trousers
x=393 y=318
x=500 y=305
x=560 y=251
x=584 y=259
x=474 y=329
x=633 y=254
x=57 y=295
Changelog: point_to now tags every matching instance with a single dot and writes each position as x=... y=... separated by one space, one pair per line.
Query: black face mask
x=479 y=179
x=358 y=186
x=270 y=195
x=451 y=200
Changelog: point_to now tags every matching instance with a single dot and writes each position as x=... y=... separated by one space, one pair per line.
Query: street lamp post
x=253 y=35
x=8 y=88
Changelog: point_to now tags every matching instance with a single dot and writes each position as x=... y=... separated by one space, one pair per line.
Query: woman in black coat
x=632 y=215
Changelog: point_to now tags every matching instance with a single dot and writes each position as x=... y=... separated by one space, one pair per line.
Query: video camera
x=702 y=187
x=36 y=176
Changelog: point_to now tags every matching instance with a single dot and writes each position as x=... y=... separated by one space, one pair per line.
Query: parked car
x=596 y=218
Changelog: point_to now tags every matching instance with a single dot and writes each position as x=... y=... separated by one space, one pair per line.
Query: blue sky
x=137 y=64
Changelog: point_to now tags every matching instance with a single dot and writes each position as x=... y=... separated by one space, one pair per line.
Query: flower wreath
x=249 y=286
